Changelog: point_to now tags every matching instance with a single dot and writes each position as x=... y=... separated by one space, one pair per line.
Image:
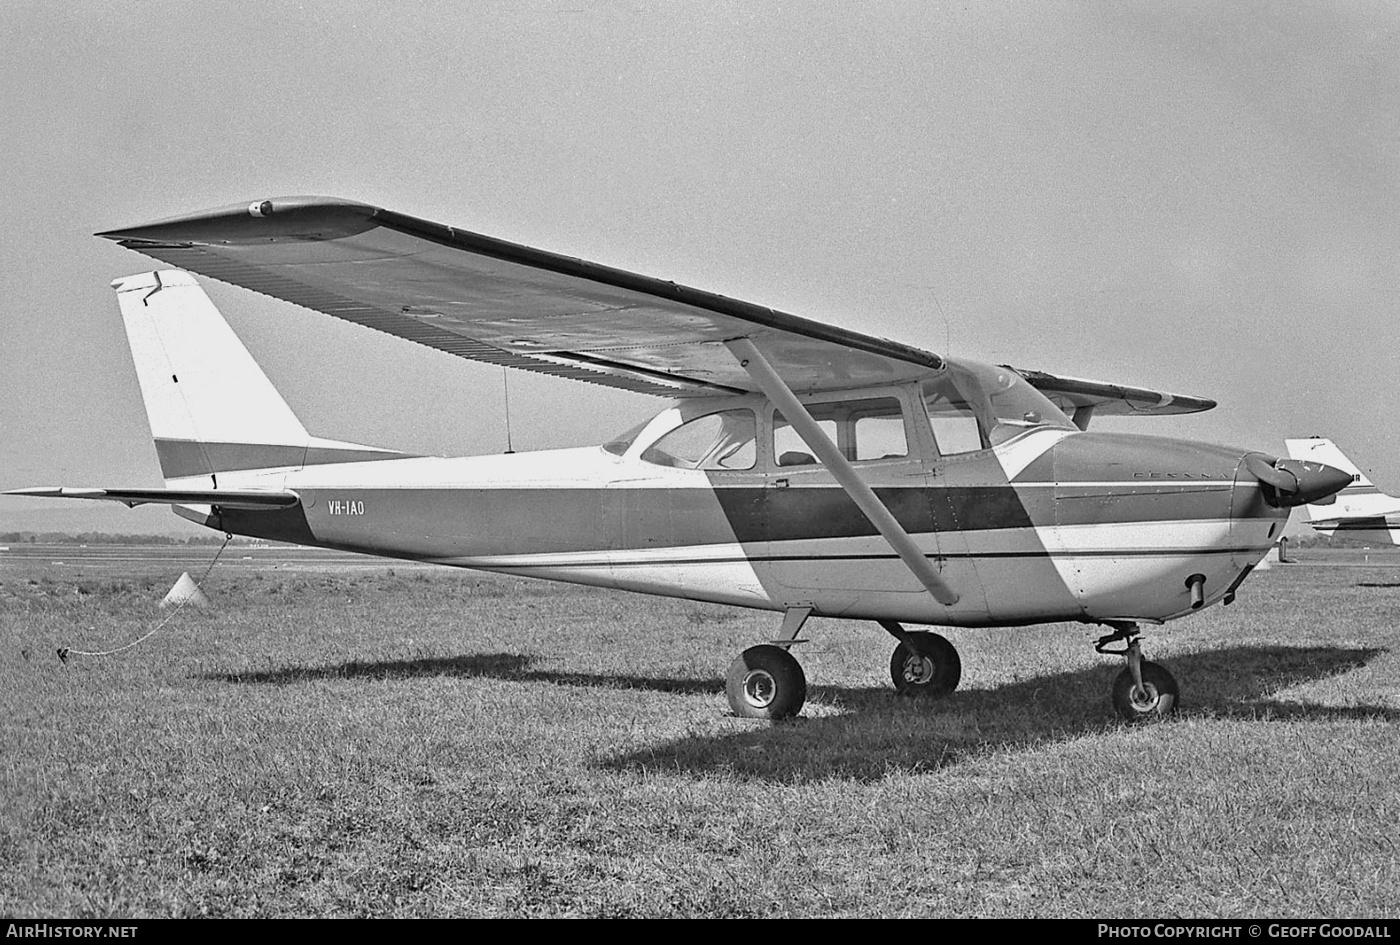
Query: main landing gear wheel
x=766 y=682
x=925 y=664
x=1155 y=699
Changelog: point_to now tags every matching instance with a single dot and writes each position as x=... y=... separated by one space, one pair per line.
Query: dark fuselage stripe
x=469 y=522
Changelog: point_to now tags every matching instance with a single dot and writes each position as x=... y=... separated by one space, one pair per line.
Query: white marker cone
x=185 y=592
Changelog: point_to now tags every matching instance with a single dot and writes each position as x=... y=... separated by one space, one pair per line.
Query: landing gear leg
x=1145 y=690
x=767 y=682
x=924 y=664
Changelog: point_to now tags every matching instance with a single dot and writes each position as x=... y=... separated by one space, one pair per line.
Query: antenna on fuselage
x=947 y=327
x=505 y=386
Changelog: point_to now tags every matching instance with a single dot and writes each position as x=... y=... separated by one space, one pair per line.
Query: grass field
x=407 y=741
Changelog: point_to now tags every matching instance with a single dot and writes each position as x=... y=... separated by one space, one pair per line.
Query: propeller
x=1295 y=482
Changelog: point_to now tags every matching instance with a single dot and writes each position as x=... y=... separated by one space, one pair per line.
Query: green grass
x=407 y=742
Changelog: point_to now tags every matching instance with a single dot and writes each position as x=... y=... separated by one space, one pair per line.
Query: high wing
x=250 y=499
x=490 y=300
x=1074 y=395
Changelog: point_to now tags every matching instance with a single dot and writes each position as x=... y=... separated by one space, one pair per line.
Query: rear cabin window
x=868 y=429
x=716 y=441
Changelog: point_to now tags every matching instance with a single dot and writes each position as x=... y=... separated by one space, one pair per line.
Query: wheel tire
x=925 y=664
x=1157 y=700
x=766 y=682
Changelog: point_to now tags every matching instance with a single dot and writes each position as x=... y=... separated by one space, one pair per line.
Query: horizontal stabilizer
x=1332 y=526
x=250 y=499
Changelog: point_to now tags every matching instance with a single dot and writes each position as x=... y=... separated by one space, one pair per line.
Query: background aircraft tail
x=210 y=406
x=1360 y=510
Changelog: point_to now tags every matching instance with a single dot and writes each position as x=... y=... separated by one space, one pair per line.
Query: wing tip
x=313 y=217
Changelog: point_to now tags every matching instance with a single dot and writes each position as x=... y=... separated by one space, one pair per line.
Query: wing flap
x=250 y=499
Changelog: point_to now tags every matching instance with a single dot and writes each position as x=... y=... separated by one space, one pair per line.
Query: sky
x=1190 y=196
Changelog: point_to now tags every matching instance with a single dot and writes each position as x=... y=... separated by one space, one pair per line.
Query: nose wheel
x=1144 y=691
x=1153 y=698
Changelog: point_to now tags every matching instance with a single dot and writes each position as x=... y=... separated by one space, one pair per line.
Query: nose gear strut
x=1144 y=690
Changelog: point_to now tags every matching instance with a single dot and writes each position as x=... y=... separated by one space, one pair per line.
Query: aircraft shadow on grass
x=513 y=666
x=870 y=732
x=876 y=733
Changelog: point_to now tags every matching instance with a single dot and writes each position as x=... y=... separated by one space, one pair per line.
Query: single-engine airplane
x=1360 y=510
x=800 y=468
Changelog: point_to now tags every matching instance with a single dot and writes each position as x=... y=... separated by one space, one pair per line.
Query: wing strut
x=752 y=361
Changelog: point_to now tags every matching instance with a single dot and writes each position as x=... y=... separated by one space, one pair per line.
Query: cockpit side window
x=956 y=428
x=621 y=443
x=870 y=428
x=716 y=441
x=877 y=429
x=975 y=406
x=789 y=449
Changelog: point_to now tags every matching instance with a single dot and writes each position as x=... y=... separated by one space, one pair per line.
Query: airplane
x=1359 y=510
x=799 y=467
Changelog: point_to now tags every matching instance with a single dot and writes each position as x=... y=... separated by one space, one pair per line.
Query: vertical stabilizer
x=210 y=406
x=1317 y=449
x=199 y=382
x=1360 y=510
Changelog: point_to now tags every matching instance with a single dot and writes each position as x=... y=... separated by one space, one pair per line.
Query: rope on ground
x=66 y=651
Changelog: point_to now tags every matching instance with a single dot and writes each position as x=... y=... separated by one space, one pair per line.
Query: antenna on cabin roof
x=947 y=328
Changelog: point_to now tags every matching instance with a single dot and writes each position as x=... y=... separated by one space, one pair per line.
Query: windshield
x=995 y=403
x=619 y=444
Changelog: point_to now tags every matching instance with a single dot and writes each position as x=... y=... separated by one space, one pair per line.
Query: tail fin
x=1316 y=449
x=210 y=406
x=1360 y=510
